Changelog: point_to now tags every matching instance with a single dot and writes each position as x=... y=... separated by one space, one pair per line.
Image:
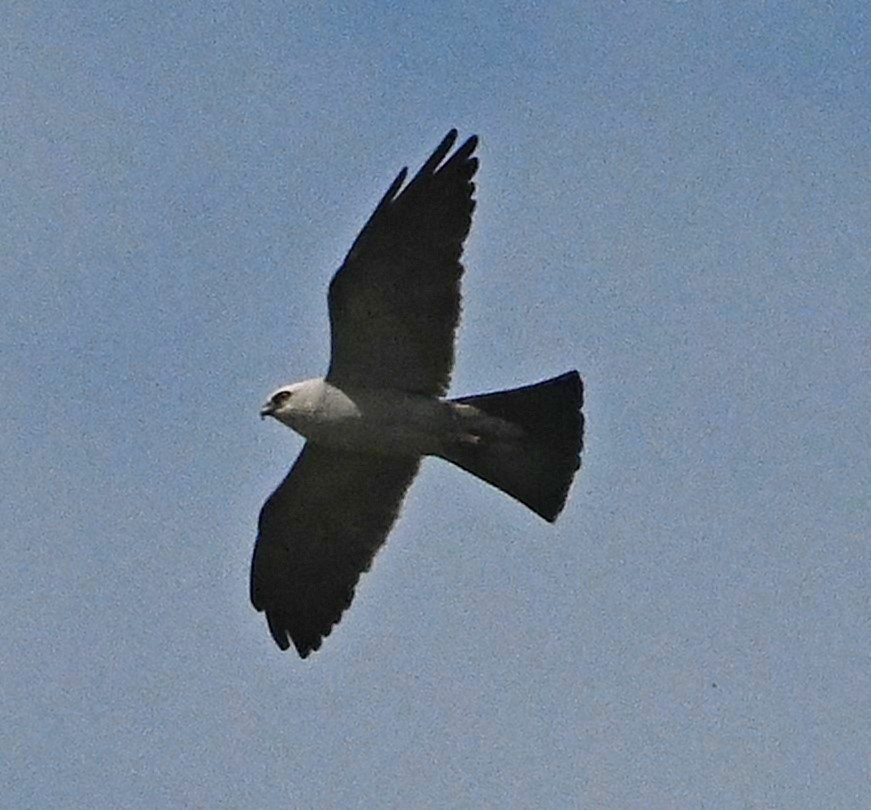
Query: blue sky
x=674 y=198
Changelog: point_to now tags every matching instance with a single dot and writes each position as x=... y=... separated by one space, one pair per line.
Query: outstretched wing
x=317 y=533
x=395 y=302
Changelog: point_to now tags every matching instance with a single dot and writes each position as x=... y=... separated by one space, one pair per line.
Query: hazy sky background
x=674 y=198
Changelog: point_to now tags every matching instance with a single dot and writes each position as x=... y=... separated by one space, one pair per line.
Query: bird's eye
x=281 y=397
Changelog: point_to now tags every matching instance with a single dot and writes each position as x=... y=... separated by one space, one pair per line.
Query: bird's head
x=278 y=403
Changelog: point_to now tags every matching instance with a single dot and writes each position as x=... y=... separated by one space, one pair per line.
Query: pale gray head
x=278 y=403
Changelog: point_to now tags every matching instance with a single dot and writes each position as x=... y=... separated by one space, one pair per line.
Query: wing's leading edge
x=317 y=533
x=395 y=302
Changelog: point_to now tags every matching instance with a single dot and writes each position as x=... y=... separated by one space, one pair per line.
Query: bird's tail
x=538 y=467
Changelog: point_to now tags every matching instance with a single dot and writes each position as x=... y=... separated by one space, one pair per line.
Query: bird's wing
x=395 y=301
x=317 y=533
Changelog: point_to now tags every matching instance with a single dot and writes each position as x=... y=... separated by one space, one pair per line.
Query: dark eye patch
x=280 y=397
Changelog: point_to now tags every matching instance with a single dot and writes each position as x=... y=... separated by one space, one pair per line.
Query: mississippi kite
x=394 y=307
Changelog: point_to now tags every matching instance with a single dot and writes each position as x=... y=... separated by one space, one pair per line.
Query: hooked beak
x=267 y=410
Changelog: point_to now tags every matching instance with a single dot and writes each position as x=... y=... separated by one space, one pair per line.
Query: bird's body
x=384 y=421
x=394 y=308
x=367 y=420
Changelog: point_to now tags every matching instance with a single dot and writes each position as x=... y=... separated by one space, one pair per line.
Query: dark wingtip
x=469 y=146
x=438 y=155
x=464 y=150
x=463 y=158
x=278 y=633
x=450 y=137
x=305 y=647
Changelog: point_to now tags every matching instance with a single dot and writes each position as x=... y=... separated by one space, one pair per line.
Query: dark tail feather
x=538 y=469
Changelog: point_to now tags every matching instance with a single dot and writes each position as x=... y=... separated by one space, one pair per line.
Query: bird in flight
x=394 y=306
